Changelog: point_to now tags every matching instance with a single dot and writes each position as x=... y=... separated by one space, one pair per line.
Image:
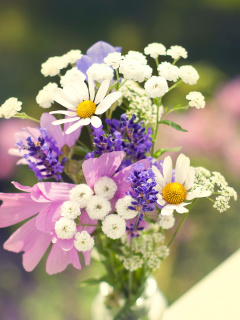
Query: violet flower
x=95 y=54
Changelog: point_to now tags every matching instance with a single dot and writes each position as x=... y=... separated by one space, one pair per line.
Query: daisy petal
x=102 y=91
x=181 y=209
x=81 y=87
x=167 y=211
x=182 y=168
x=159 y=178
x=61 y=121
x=191 y=195
x=91 y=88
x=96 y=122
x=167 y=169
x=70 y=91
x=81 y=122
x=68 y=113
x=60 y=97
x=107 y=102
x=190 y=178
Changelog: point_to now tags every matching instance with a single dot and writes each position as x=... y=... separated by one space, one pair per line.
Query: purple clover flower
x=125 y=135
x=95 y=54
x=43 y=156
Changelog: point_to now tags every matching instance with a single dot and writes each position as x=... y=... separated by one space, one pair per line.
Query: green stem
x=159 y=101
x=122 y=83
x=181 y=222
x=117 y=76
x=23 y=115
x=177 y=84
x=130 y=273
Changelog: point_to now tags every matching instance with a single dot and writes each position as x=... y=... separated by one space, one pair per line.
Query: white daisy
x=173 y=194
x=82 y=103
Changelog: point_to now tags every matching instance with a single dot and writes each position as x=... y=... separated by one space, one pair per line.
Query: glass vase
x=107 y=305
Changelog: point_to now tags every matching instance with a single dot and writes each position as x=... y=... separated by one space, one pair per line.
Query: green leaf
x=80 y=150
x=173 y=125
x=163 y=150
x=92 y=281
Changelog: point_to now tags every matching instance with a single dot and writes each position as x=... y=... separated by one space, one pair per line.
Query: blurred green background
x=32 y=31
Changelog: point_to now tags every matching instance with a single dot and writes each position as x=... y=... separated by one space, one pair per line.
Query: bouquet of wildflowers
x=113 y=199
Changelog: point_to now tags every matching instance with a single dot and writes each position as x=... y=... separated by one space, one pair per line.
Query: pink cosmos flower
x=43 y=201
x=106 y=166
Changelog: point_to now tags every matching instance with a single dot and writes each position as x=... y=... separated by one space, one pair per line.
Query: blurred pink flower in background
x=228 y=96
x=8 y=128
x=213 y=132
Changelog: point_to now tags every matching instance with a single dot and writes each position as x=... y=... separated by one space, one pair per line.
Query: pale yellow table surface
x=216 y=297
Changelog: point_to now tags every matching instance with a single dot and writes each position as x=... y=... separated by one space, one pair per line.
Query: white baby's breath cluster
x=147 y=249
x=155 y=49
x=100 y=72
x=10 y=108
x=113 y=59
x=54 y=65
x=217 y=185
x=134 y=67
x=45 y=96
x=197 y=100
x=139 y=103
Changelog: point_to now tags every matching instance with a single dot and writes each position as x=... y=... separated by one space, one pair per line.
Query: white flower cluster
x=54 y=65
x=100 y=72
x=45 y=96
x=215 y=182
x=147 y=249
x=10 y=108
x=177 y=52
x=197 y=100
x=97 y=205
x=139 y=103
x=113 y=59
x=155 y=49
x=134 y=67
x=66 y=227
x=166 y=222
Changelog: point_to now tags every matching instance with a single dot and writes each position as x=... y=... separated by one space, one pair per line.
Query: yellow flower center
x=174 y=193
x=86 y=109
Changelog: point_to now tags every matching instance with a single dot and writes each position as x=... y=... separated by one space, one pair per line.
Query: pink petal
x=105 y=165
x=85 y=219
x=17 y=207
x=30 y=240
x=53 y=191
x=58 y=260
x=87 y=257
x=47 y=217
x=21 y=238
x=65 y=244
x=55 y=131
x=21 y=187
x=33 y=255
x=70 y=139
